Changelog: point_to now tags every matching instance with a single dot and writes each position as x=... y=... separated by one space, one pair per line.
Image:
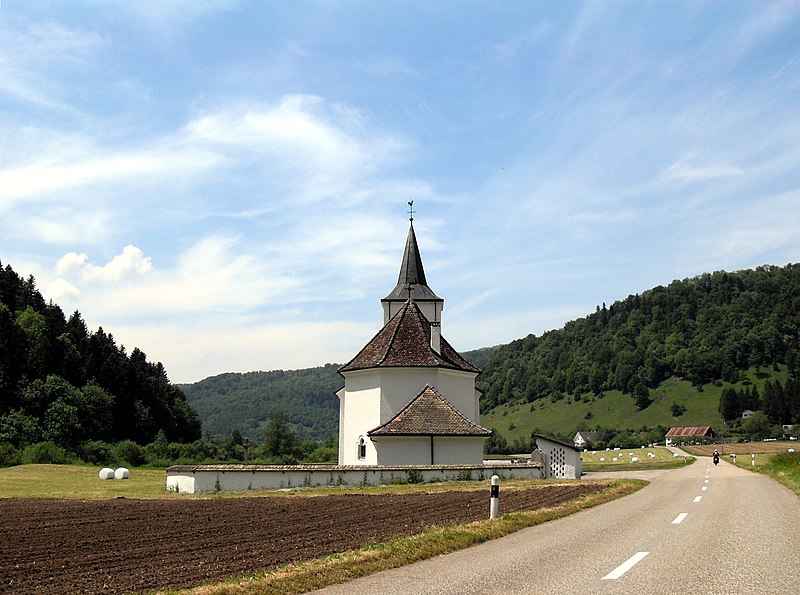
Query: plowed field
x=113 y=546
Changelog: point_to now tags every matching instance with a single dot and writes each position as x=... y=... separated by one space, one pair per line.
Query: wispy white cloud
x=33 y=53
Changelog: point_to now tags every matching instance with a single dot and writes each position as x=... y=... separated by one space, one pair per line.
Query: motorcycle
x=716 y=458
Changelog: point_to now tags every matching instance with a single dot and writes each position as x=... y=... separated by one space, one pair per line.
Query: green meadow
x=627 y=459
x=78 y=481
x=613 y=409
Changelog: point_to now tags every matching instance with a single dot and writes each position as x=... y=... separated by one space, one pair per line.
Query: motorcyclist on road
x=716 y=457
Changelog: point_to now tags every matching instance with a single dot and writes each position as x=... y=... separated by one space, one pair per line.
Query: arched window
x=362 y=448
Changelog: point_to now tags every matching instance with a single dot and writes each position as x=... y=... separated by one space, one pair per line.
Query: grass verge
x=680 y=462
x=338 y=568
x=783 y=467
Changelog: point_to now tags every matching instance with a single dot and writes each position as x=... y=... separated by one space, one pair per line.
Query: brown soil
x=743 y=448
x=113 y=546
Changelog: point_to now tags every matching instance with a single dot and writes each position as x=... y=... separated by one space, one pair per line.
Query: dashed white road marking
x=625 y=566
x=697 y=499
x=704 y=488
x=679 y=519
x=706 y=481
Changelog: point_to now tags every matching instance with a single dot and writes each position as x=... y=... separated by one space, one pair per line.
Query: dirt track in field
x=114 y=546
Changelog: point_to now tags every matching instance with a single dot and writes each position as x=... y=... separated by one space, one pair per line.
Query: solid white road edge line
x=679 y=519
x=625 y=566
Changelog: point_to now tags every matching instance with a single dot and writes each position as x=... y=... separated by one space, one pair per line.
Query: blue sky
x=224 y=184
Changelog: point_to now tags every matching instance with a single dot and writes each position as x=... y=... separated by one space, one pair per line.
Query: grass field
x=657 y=457
x=77 y=481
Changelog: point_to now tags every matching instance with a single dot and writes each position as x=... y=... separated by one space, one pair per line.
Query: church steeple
x=411 y=283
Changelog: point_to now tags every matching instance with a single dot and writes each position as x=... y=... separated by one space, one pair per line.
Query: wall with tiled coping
x=193 y=479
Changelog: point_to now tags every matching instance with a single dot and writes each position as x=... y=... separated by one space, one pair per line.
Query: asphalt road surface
x=697 y=529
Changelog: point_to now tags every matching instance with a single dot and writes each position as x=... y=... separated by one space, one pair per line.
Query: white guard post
x=494 y=501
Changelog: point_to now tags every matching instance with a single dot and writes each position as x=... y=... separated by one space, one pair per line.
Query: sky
x=224 y=184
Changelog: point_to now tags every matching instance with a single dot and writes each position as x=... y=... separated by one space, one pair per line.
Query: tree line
x=780 y=403
x=63 y=385
x=710 y=327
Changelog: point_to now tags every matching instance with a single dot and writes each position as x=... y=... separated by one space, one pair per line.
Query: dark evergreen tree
x=729 y=404
x=280 y=441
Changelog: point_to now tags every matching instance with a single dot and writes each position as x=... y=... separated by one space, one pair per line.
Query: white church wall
x=359 y=411
x=416 y=450
x=452 y=451
x=403 y=450
x=399 y=386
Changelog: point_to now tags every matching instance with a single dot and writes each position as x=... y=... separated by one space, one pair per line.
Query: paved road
x=698 y=529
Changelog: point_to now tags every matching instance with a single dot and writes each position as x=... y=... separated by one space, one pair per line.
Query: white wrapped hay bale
x=122 y=473
x=106 y=473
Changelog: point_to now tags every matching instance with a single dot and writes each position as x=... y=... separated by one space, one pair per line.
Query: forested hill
x=704 y=328
x=245 y=402
x=63 y=384
x=306 y=398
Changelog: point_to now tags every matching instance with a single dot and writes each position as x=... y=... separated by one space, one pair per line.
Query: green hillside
x=702 y=329
x=613 y=409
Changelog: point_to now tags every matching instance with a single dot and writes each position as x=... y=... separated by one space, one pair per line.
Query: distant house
x=790 y=430
x=747 y=413
x=582 y=439
x=696 y=434
x=559 y=459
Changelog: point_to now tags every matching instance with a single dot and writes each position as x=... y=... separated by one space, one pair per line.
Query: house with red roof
x=690 y=435
x=409 y=398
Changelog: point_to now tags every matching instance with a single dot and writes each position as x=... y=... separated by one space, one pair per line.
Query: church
x=409 y=398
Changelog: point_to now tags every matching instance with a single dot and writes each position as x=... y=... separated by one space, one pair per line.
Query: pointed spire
x=411 y=271
x=411 y=282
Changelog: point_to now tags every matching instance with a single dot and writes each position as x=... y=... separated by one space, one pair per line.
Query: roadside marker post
x=494 y=500
x=753 y=459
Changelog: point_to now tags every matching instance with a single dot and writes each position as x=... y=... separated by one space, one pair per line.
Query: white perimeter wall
x=222 y=478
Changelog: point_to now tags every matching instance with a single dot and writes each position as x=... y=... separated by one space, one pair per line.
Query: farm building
x=409 y=398
x=559 y=459
x=690 y=434
x=582 y=439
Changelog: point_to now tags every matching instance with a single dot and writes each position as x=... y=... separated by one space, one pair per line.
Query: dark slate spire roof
x=429 y=414
x=405 y=341
x=412 y=274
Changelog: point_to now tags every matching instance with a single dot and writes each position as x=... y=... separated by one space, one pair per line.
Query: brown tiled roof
x=405 y=341
x=697 y=431
x=429 y=414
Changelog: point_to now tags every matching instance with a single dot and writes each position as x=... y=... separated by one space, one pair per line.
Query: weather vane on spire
x=411 y=210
